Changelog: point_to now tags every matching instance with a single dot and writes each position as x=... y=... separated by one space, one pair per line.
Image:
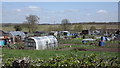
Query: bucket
x=101 y=43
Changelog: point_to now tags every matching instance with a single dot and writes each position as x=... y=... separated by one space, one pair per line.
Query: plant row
x=92 y=60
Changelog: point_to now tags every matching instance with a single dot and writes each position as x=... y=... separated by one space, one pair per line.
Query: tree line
x=32 y=21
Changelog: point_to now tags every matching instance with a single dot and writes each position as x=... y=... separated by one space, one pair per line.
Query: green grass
x=79 y=46
x=8 y=28
x=40 y=28
x=70 y=41
x=112 y=44
x=54 y=27
x=78 y=41
x=44 y=54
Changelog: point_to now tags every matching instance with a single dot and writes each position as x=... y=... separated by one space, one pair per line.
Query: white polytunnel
x=41 y=42
x=17 y=33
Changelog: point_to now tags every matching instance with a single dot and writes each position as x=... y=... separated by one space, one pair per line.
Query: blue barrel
x=83 y=41
x=103 y=38
x=101 y=43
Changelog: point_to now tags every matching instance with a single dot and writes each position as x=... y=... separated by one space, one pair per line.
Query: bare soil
x=106 y=49
x=93 y=49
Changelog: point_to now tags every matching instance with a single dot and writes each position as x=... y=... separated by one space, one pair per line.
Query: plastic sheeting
x=17 y=33
x=89 y=39
x=2 y=42
x=40 y=43
x=14 y=33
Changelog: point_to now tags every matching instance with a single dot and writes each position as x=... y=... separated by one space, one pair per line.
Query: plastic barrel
x=101 y=43
x=103 y=38
x=83 y=41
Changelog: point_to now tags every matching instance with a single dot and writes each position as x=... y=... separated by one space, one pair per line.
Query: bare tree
x=65 y=23
x=31 y=22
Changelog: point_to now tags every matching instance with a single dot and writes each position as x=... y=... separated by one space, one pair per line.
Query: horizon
x=70 y=23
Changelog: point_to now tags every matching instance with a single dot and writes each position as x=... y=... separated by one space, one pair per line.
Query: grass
x=78 y=41
x=40 y=28
x=70 y=41
x=112 y=44
x=8 y=28
x=45 y=54
x=80 y=46
x=51 y=27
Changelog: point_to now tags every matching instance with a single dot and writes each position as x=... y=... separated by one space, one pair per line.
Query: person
x=8 y=43
x=83 y=37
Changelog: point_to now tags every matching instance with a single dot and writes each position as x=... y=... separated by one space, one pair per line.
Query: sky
x=59 y=0
x=55 y=12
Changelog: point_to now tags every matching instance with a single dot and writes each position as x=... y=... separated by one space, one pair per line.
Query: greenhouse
x=19 y=34
x=40 y=43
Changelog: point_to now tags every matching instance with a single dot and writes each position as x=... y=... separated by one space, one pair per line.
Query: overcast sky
x=50 y=12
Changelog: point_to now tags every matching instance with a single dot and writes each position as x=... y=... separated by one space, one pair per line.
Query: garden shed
x=41 y=42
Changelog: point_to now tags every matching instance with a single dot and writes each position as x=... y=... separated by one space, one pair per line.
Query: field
x=67 y=48
x=86 y=26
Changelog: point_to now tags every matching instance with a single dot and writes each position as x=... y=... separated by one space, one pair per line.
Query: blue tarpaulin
x=2 y=42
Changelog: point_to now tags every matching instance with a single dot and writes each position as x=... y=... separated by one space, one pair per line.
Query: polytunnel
x=53 y=41
x=40 y=43
x=17 y=33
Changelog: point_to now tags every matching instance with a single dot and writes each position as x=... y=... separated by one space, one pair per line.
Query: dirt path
x=67 y=44
x=105 y=49
x=93 y=49
x=90 y=49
